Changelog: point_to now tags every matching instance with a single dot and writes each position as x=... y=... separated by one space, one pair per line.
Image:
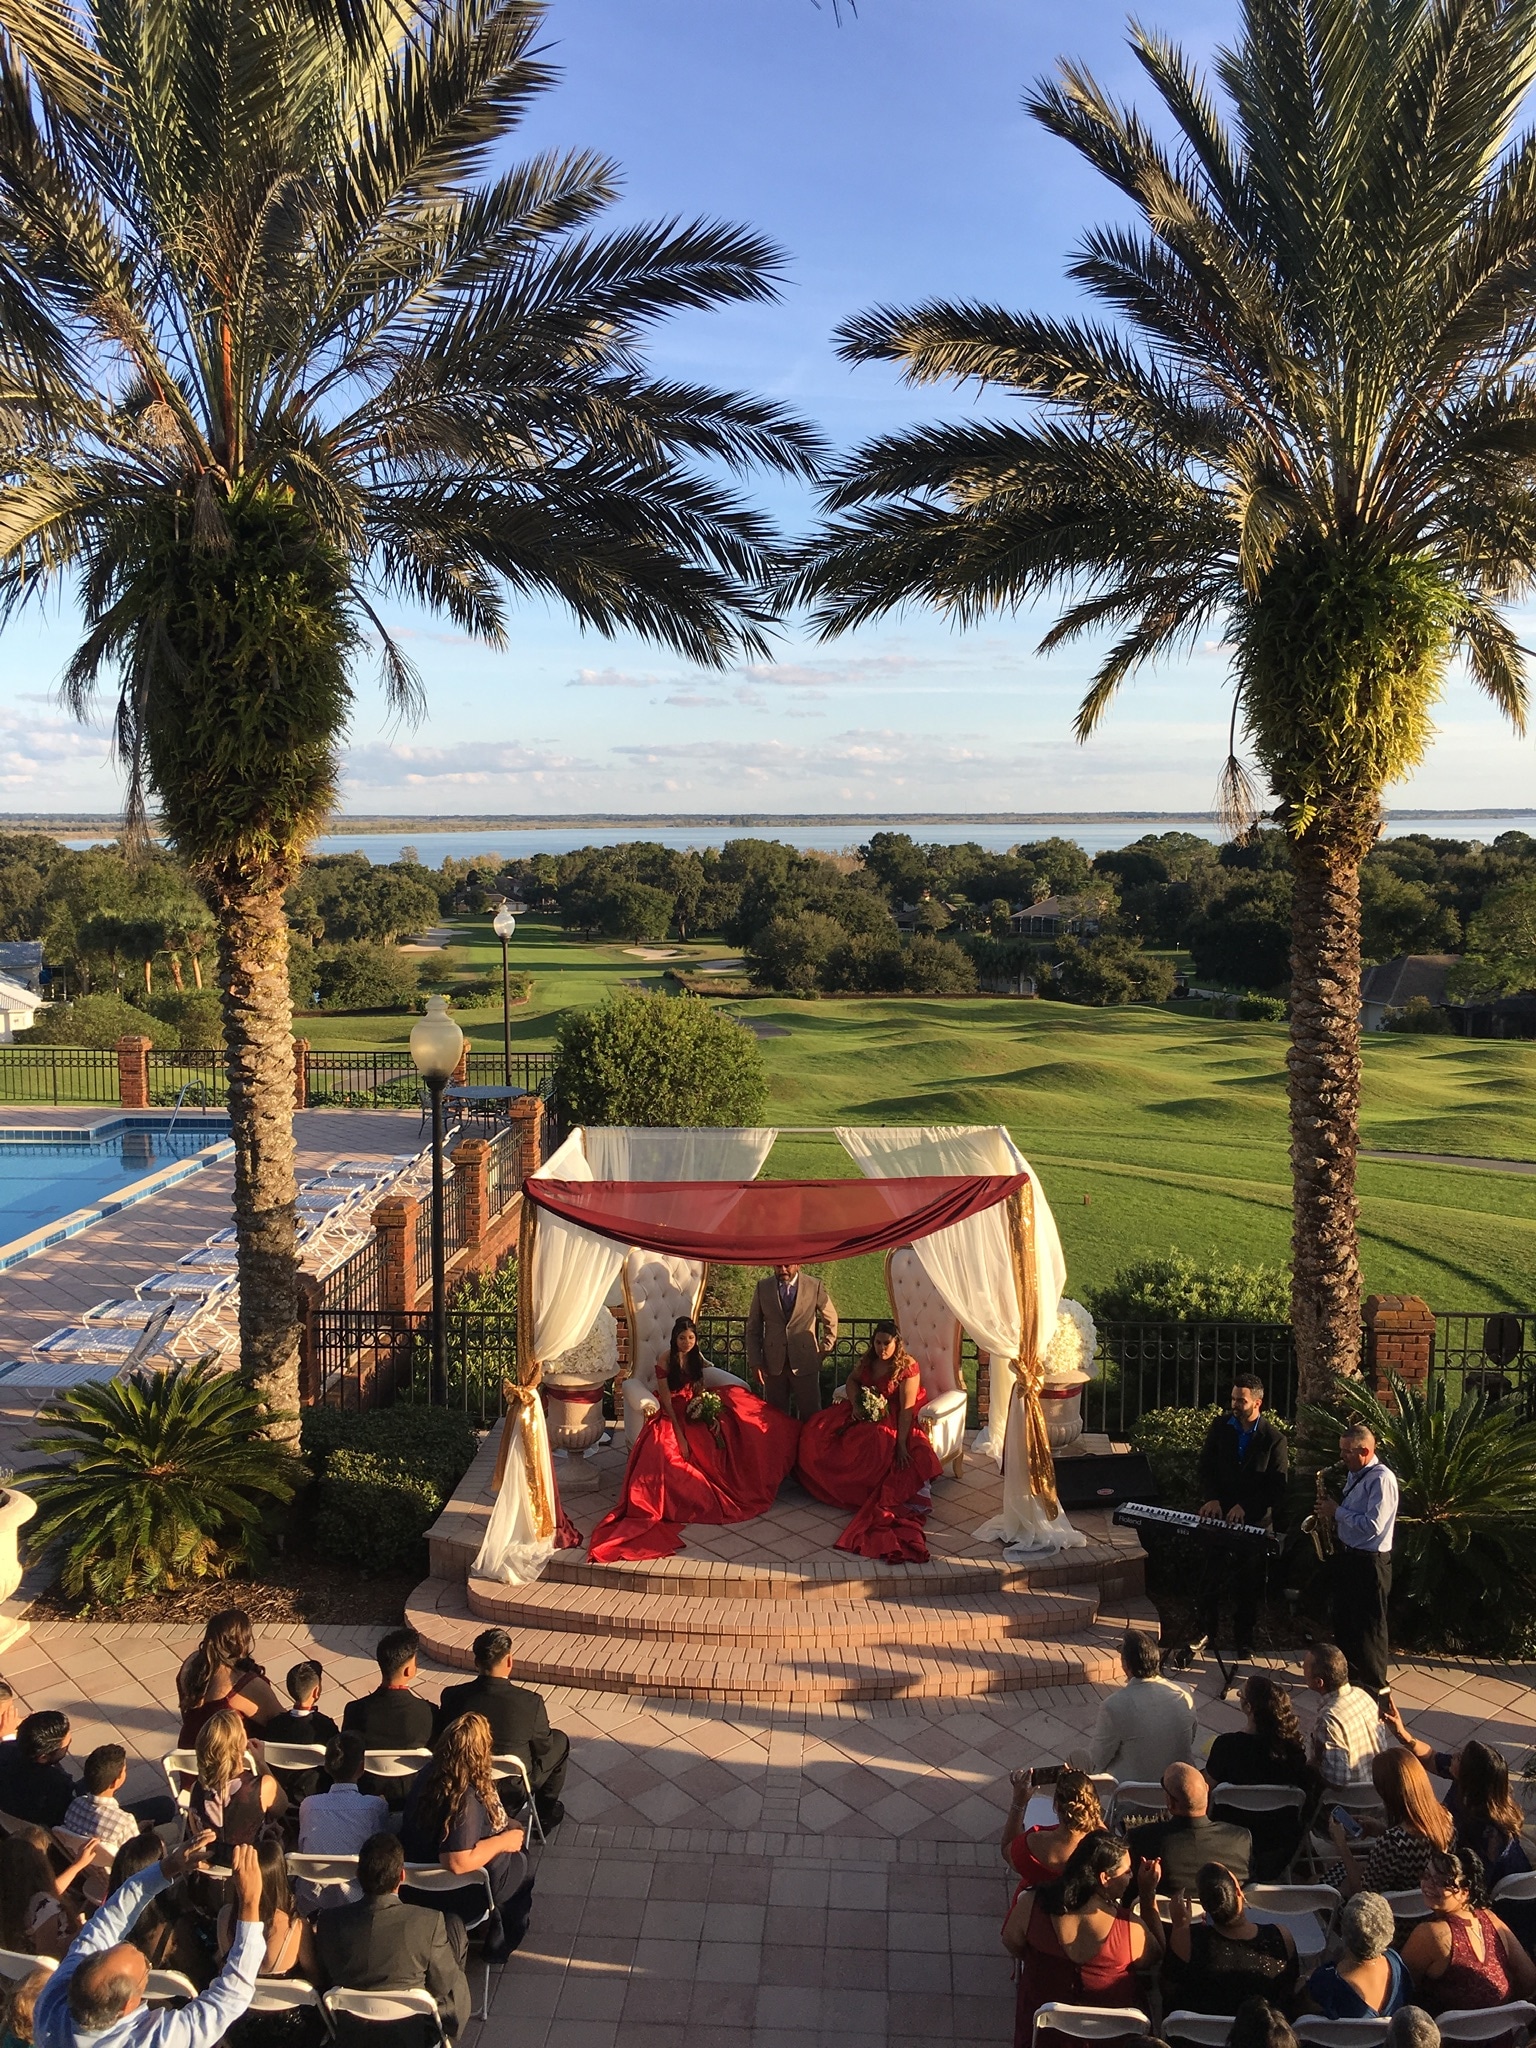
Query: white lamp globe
x=436 y=1041
x=504 y=924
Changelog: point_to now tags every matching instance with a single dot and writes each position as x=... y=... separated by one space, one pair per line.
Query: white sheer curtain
x=573 y=1273
x=971 y=1265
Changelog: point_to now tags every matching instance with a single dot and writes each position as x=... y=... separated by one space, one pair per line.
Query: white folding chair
x=431 y=1877
x=1205 y=2029
x=283 y=1994
x=1487 y=2023
x=381 y=2006
x=514 y=1767
x=169 y=1987
x=1139 y=1797
x=1321 y=2033
x=180 y=1768
x=1519 y=1887
x=322 y=1881
x=400 y=1764
x=1307 y=1910
x=1090 y=2022
x=16 y=1965
x=1228 y=1798
x=293 y=1756
x=1409 y=1905
x=1361 y=1798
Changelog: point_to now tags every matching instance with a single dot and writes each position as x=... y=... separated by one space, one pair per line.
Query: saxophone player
x=1244 y=1464
x=1363 y=1524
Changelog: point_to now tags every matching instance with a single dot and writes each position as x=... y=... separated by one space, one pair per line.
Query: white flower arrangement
x=595 y=1358
x=1071 y=1349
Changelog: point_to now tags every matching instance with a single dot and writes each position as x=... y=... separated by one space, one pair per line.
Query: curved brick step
x=675 y=1615
x=765 y=1671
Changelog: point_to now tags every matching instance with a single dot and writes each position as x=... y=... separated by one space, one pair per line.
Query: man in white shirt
x=338 y=1822
x=1347 y=1731
x=1147 y=1725
x=1363 y=1522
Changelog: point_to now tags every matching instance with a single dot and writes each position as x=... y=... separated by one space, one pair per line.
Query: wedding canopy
x=968 y=1204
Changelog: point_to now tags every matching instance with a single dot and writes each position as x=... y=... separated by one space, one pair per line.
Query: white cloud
x=611 y=679
x=466 y=765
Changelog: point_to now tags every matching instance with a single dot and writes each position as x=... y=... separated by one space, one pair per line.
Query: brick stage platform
x=769 y=1612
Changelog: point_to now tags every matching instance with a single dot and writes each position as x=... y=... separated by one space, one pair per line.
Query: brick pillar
x=395 y=1221
x=461 y=1072
x=528 y=1117
x=469 y=1165
x=1399 y=1338
x=311 y=1295
x=133 y=1071
x=301 y=1073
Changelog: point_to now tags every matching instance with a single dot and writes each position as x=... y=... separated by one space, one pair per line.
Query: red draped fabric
x=772 y=1222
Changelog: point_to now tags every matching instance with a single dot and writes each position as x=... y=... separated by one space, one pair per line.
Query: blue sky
x=890 y=158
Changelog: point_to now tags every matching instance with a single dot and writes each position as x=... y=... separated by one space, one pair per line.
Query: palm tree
x=281 y=330
x=1306 y=421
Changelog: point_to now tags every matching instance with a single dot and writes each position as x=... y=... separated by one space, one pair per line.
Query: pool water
x=42 y=1179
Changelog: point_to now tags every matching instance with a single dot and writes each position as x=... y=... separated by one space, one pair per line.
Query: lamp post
x=436 y=1042
x=504 y=924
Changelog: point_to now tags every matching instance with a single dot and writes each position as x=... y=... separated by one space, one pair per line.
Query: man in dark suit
x=382 y=1944
x=1189 y=1838
x=393 y=1717
x=34 y=1783
x=1244 y=1465
x=791 y=1326
x=519 y=1721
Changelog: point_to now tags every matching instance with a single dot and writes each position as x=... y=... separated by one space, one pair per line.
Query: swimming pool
x=70 y=1178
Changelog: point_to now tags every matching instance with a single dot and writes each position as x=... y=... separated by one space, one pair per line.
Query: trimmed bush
x=1174 y=1288
x=641 y=1059
x=98 y=1021
x=373 y=1511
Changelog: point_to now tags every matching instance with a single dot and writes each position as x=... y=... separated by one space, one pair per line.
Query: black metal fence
x=357 y=1283
x=503 y=1171
x=186 y=1080
x=57 y=1074
x=1492 y=1354
x=723 y=1340
x=1185 y=1365
x=372 y=1358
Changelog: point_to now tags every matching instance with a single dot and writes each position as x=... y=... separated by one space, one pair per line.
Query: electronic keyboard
x=1136 y=1514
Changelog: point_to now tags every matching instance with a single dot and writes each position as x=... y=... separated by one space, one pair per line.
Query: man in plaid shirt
x=1347 y=1732
x=94 y=1809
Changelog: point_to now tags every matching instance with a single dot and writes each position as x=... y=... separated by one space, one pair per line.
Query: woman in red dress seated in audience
x=870 y=1452
x=713 y=1454
x=1040 y=1855
x=1077 y=1942
x=1463 y=1957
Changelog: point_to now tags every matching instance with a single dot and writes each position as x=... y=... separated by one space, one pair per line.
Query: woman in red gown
x=872 y=1453
x=693 y=1465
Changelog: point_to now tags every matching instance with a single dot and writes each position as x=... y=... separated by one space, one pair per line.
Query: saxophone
x=1317 y=1525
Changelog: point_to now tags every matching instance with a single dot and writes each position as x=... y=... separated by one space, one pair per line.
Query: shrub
x=1252 y=1009
x=937 y=967
x=440 y=1443
x=167 y=1478
x=1419 y=1014
x=98 y=1021
x=635 y=911
x=642 y=1059
x=1172 y=1288
x=384 y=1477
x=195 y=1017
x=367 y=976
x=1110 y=971
x=791 y=953
x=1171 y=1439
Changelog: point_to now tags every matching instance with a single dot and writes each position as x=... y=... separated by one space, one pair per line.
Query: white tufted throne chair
x=657 y=1290
x=931 y=1332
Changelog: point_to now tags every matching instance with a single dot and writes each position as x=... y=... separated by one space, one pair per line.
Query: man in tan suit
x=791 y=1327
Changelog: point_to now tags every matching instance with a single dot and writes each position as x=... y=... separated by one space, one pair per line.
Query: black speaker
x=1105 y=1482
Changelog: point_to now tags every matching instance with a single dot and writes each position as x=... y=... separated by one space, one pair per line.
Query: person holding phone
x=1391 y=1857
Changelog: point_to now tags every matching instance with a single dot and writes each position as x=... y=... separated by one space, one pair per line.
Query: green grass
x=1147 y=1129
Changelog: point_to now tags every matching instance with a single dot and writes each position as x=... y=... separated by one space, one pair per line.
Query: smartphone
x=1347 y=1822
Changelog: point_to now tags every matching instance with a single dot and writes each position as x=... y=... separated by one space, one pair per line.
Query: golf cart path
x=1454 y=1159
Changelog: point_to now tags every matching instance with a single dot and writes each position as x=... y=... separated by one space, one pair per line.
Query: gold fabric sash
x=522 y=1394
x=1029 y=1367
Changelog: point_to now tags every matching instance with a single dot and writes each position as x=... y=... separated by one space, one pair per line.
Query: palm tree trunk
x=1324 y=1061
x=258 y=1030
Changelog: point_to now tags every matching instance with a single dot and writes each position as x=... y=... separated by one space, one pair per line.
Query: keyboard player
x=1244 y=1465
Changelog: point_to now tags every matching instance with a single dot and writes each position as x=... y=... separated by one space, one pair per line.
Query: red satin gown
x=850 y=1462
x=729 y=1479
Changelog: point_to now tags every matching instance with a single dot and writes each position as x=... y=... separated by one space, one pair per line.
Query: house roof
x=1396 y=982
x=14 y=997
x=1053 y=906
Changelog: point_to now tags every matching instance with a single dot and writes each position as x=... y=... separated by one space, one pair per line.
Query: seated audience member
x=1039 y=1855
x=20 y=2000
x=1411 y=2027
x=338 y=1822
x=35 y=1783
x=1367 y=1979
x=94 y=1809
x=222 y=1675
x=392 y=1716
x=1256 y=2024
x=1346 y=1730
x=1485 y=1816
x=290 y=1952
x=228 y=1797
x=98 y=1989
x=1188 y=1839
x=1391 y=1857
x=1463 y=1957
x=454 y=1817
x=1213 y=1966
x=1076 y=1939
x=166 y=1932
x=519 y=1721
x=10 y=1719
x=35 y=1916
x=381 y=1943
x=1145 y=1726
x=1269 y=1751
x=302 y=1722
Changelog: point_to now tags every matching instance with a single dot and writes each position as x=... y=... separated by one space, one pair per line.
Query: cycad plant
x=283 y=331
x=1303 y=422
x=1464 y=1550
x=166 y=1478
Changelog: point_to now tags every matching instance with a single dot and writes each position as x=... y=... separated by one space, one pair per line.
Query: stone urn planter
x=1069 y=1366
x=572 y=1386
x=16 y=1510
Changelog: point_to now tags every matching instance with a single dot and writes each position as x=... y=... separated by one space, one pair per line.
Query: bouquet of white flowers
x=871 y=1404
x=707 y=1407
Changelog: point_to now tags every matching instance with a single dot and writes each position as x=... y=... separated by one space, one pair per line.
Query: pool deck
x=111 y=1257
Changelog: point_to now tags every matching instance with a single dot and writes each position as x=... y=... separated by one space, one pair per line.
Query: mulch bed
x=298 y=1589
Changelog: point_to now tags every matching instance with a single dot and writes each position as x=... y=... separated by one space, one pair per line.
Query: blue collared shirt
x=1368 y=1510
x=1244 y=1436
x=201 y=2024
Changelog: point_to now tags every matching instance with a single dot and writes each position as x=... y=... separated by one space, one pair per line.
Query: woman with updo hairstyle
x=1039 y=1855
x=1215 y=1964
x=1463 y=1958
x=1268 y=1751
x=1077 y=1941
x=713 y=1452
x=1367 y=1979
x=239 y=1804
